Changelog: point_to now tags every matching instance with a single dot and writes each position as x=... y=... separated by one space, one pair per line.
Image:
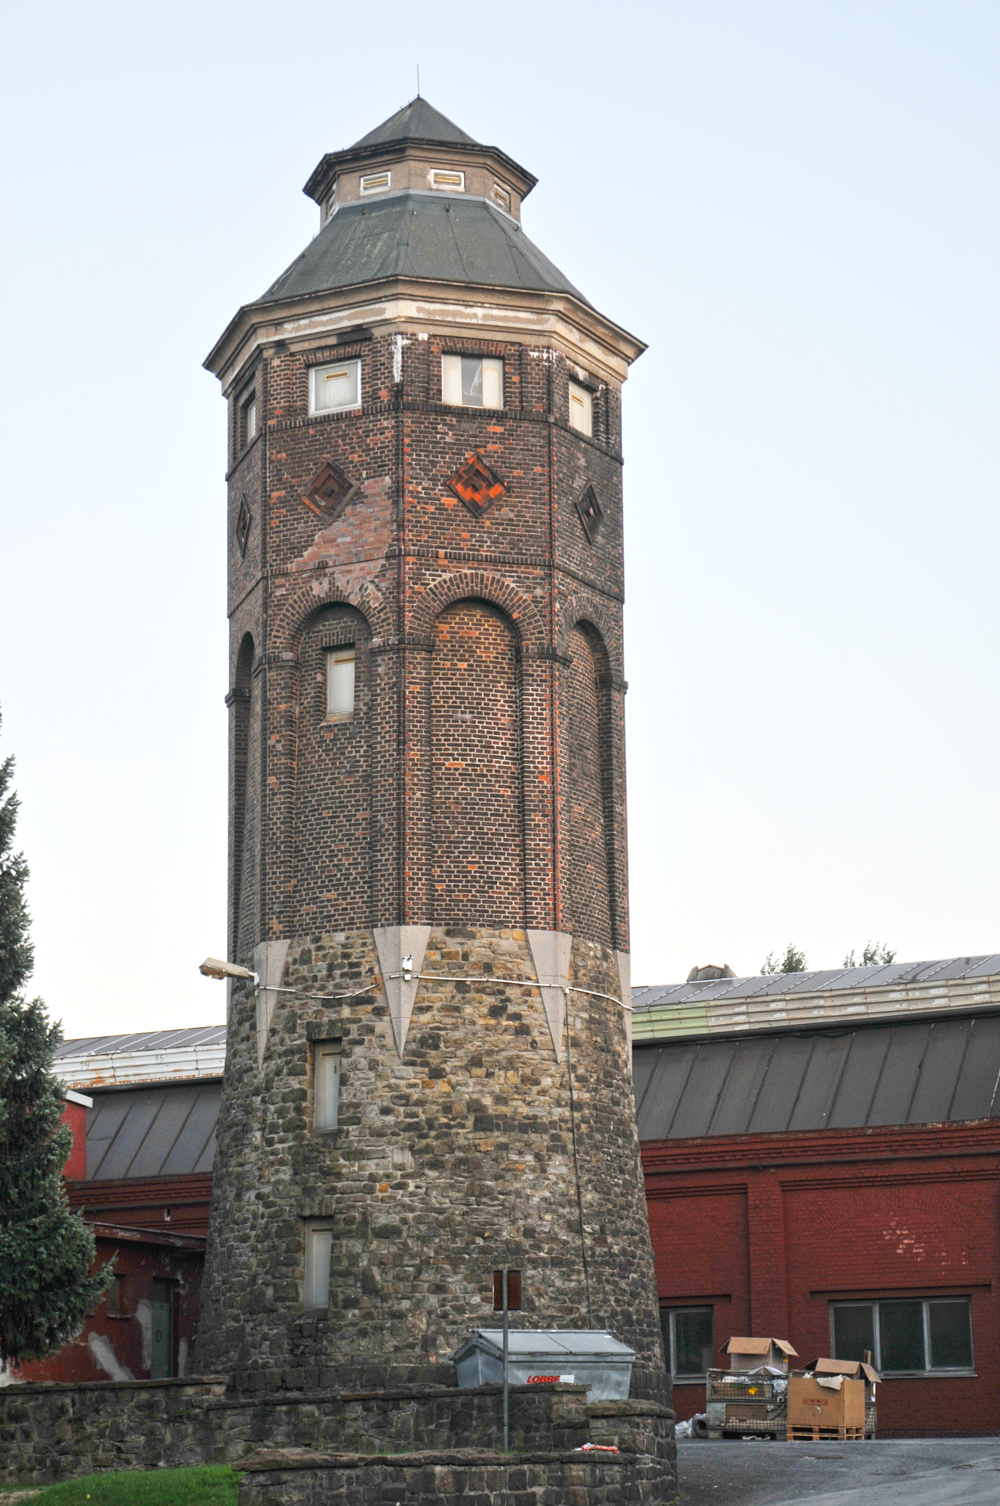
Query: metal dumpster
x=536 y=1356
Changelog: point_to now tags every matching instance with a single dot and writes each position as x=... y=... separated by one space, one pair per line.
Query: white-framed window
x=376 y=182
x=248 y=418
x=472 y=381
x=319 y=1247
x=688 y=1341
x=445 y=177
x=333 y=388
x=905 y=1335
x=581 y=409
x=501 y=196
x=326 y=1085
x=340 y=683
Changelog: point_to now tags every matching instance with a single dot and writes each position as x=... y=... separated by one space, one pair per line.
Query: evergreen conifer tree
x=46 y=1251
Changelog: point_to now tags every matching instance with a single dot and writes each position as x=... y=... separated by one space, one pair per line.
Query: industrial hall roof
x=726 y=1004
x=166 y=1131
x=910 y=1072
x=144 y=1056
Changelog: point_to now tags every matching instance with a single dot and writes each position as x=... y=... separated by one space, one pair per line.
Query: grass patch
x=209 y=1485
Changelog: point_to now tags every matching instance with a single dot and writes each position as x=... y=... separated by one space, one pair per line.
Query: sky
x=794 y=204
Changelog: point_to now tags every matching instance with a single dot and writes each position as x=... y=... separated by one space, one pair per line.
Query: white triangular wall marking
x=393 y=943
x=268 y=964
x=550 y=952
x=624 y=961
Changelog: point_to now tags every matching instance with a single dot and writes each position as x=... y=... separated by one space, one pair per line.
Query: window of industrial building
x=116 y=1297
x=319 y=1246
x=340 y=683
x=472 y=381
x=326 y=1085
x=448 y=178
x=905 y=1336
x=376 y=182
x=688 y=1341
x=332 y=388
x=581 y=409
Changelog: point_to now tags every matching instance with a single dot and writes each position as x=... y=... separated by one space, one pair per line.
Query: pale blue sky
x=795 y=204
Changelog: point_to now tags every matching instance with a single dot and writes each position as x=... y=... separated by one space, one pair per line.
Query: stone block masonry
x=52 y=1432
x=445 y=1163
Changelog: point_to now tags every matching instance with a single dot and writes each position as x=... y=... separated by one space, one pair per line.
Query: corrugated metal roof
x=763 y=1001
x=153 y=1056
x=153 y=1132
x=144 y=1040
x=912 y=1072
x=432 y=236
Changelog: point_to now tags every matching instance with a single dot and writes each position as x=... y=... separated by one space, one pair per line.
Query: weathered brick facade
x=477 y=792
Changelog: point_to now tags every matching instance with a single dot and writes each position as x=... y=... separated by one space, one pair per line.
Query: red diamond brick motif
x=329 y=492
x=477 y=486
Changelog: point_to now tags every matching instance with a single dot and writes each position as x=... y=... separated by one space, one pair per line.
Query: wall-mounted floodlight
x=212 y=967
x=406 y=967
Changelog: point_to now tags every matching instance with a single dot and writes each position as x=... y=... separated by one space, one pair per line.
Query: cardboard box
x=853 y=1369
x=751 y=1354
x=831 y=1401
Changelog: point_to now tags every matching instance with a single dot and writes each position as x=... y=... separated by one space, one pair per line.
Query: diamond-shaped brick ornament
x=477 y=486
x=591 y=513
x=329 y=492
x=244 y=519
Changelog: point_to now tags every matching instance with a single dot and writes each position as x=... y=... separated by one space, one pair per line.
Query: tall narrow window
x=688 y=1340
x=332 y=388
x=581 y=409
x=319 y=1246
x=326 y=1085
x=340 y=683
x=472 y=381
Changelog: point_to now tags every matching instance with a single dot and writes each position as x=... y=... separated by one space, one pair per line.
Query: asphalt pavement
x=886 y=1472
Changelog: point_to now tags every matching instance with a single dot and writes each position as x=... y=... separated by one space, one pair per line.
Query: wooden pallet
x=815 y=1434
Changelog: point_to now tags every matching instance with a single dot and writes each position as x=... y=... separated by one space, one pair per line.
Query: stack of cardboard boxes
x=759 y=1397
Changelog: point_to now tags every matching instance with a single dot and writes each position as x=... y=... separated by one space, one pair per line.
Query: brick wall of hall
x=489 y=653
x=769 y=1229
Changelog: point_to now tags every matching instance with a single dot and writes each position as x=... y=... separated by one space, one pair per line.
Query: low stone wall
x=51 y=1431
x=456 y=1478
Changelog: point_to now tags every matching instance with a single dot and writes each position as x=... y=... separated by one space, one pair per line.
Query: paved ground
x=907 y=1472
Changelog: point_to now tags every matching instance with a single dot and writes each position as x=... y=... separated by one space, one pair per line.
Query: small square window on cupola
x=447 y=177
x=501 y=196
x=376 y=182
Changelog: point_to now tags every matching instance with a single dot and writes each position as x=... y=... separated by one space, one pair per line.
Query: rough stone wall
x=53 y=1431
x=443 y=1165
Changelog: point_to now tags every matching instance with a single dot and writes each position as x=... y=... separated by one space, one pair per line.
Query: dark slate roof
x=421 y=235
x=920 y=1072
x=146 y=1040
x=417 y=121
x=153 y=1132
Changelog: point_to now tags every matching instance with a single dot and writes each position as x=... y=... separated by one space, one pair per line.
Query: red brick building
x=140 y=1171
x=822 y=1162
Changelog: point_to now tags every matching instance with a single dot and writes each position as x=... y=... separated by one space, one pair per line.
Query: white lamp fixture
x=212 y=967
